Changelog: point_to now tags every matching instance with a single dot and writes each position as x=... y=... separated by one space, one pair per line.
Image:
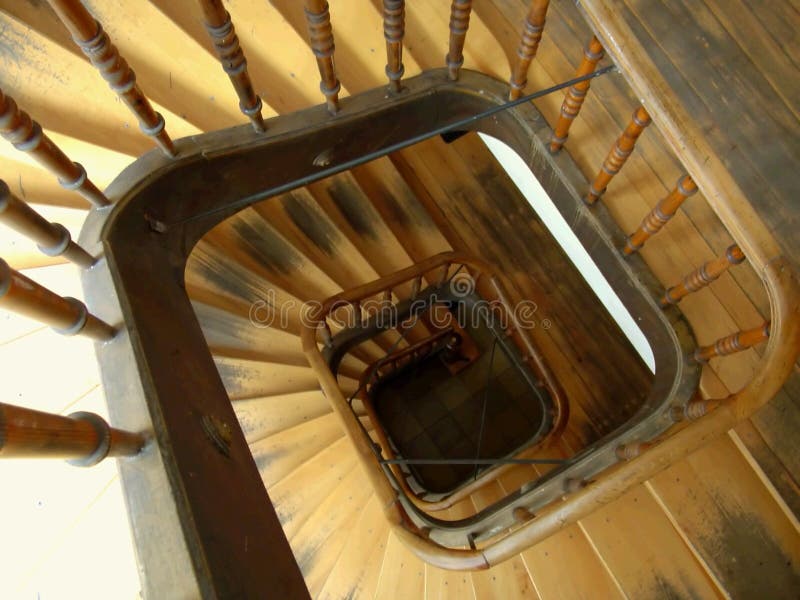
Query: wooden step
x=318 y=542
x=279 y=455
x=268 y=415
x=355 y=573
x=644 y=553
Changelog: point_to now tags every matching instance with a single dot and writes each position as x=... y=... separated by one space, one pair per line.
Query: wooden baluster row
x=83 y=438
x=619 y=154
x=320 y=35
x=394 y=15
x=459 y=23
x=736 y=342
x=67 y=316
x=226 y=44
x=96 y=45
x=703 y=276
x=576 y=94
x=661 y=214
x=528 y=46
x=26 y=135
x=53 y=239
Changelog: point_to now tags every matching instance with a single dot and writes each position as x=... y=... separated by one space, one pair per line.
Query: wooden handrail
x=460 y=11
x=26 y=135
x=700 y=278
x=532 y=31
x=89 y=35
x=67 y=316
x=218 y=23
x=394 y=15
x=487 y=287
x=53 y=239
x=320 y=34
x=576 y=94
x=661 y=214
x=736 y=342
x=83 y=438
x=682 y=133
x=778 y=361
x=619 y=154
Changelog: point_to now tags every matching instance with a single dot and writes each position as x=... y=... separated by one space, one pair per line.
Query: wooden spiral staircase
x=681 y=483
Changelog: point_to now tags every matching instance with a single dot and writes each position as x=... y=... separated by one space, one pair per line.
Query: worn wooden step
x=297 y=496
x=279 y=455
x=264 y=416
x=355 y=573
x=317 y=543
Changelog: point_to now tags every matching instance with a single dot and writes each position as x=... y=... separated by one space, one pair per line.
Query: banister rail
x=706 y=418
x=485 y=282
x=778 y=361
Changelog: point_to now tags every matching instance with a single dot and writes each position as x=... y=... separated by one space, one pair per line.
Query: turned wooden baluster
x=96 y=45
x=528 y=45
x=320 y=35
x=661 y=214
x=736 y=342
x=26 y=135
x=226 y=43
x=394 y=14
x=695 y=409
x=83 y=438
x=53 y=238
x=619 y=154
x=700 y=278
x=576 y=94
x=459 y=23
x=67 y=316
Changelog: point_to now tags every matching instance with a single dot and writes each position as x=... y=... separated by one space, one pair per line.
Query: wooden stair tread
x=267 y=415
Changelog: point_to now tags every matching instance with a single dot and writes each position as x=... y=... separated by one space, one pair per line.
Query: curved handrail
x=487 y=287
x=778 y=361
x=453 y=498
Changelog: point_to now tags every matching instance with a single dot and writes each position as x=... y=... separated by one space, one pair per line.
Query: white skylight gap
x=541 y=203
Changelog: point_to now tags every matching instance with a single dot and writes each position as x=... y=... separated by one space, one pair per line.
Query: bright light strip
x=533 y=191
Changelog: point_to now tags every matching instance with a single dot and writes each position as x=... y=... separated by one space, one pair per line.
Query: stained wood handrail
x=26 y=135
x=83 y=438
x=218 y=23
x=487 y=287
x=576 y=94
x=394 y=15
x=53 y=239
x=67 y=316
x=89 y=35
x=618 y=154
x=320 y=34
x=778 y=361
x=460 y=11
x=532 y=31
